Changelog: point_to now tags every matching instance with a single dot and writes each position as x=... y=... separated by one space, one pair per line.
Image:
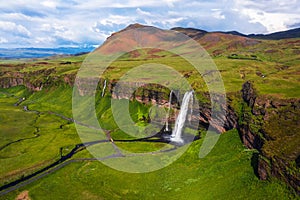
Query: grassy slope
x=26 y=156
x=56 y=99
x=13 y=115
x=225 y=173
x=47 y=132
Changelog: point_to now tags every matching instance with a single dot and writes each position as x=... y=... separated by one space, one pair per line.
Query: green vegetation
x=243 y=57
x=14 y=115
x=39 y=131
x=225 y=172
x=271 y=65
x=29 y=140
x=56 y=99
x=289 y=118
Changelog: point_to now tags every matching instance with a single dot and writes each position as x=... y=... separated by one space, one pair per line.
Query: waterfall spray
x=103 y=90
x=191 y=110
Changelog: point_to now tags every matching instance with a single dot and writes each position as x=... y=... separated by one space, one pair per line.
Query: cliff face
x=249 y=136
x=142 y=92
x=145 y=93
x=159 y=95
x=11 y=79
x=272 y=126
x=34 y=81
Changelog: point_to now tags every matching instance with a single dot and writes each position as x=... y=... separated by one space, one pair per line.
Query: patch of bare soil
x=23 y=196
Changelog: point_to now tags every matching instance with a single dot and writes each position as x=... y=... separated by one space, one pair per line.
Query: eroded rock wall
x=272 y=127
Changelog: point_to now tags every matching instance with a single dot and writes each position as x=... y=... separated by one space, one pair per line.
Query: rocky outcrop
x=248 y=93
x=34 y=80
x=142 y=92
x=249 y=137
x=148 y=93
x=224 y=117
x=271 y=126
x=280 y=168
x=69 y=79
x=223 y=120
x=9 y=79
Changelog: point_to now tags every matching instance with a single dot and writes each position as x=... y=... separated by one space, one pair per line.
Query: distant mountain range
x=292 y=33
x=202 y=36
x=216 y=43
x=28 y=53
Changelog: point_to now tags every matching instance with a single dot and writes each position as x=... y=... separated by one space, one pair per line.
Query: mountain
x=191 y=32
x=28 y=53
x=197 y=33
x=216 y=43
x=293 y=33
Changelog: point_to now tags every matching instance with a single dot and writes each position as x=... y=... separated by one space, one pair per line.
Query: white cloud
x=92 y=5
x=117 y=19
x=50 y=4
x=13 y=28
x=3 y=40
x=16 y=16
x=275 y=15
x=217 y=13
x=170 y=3
x=142 y=12
x=43 y=40
x=272 y=21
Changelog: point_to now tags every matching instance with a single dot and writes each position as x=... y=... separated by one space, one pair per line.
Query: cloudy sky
x=52 y=23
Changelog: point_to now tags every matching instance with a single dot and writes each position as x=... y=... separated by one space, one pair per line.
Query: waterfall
x=191 y=110
x=103 y=90
x=176 y=134
x=169 y=109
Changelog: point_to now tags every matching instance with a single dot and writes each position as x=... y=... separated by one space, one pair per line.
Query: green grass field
x=225 y=173
x=34 y=138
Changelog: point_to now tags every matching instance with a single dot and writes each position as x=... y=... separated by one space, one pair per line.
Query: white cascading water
x=191 y=111
x=168 y=114
x=177 y=132
x=103 y=90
